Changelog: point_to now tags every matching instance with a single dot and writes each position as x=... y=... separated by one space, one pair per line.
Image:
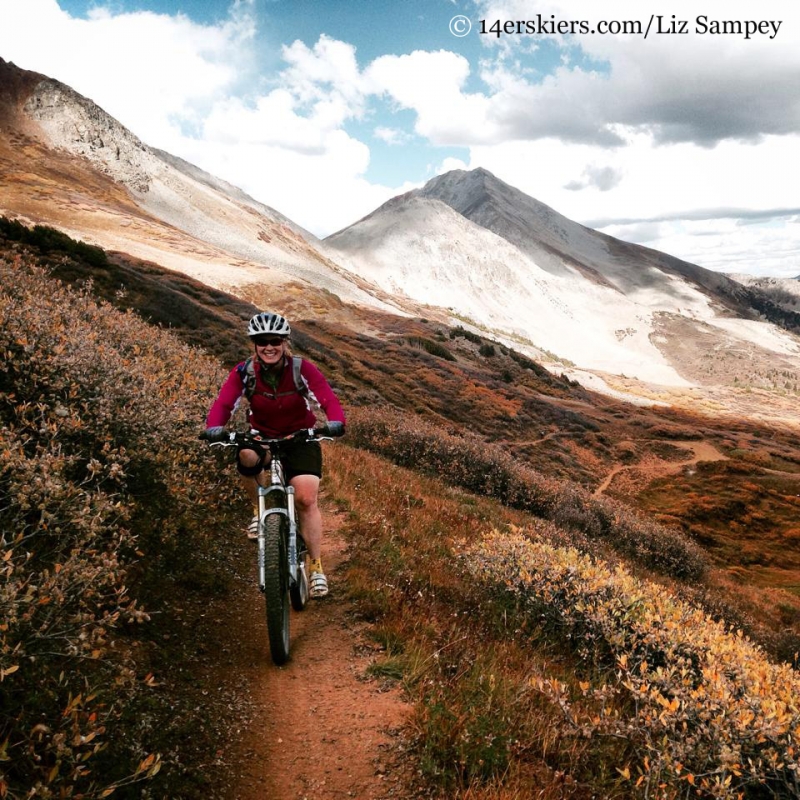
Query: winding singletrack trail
x=700 y=451
x=317 y=728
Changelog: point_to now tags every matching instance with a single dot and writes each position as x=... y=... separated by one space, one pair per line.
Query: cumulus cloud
x=324 y=191
x=602 y=178
x=318 y=90
x=681 y=88
x=328 y=73
x=692 y=88
x=392 y=136
x=450 y=164
x=432 y=85
x=149 y=71
x=702 y=89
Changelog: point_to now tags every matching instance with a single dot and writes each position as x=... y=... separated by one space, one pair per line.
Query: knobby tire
x=276 y=587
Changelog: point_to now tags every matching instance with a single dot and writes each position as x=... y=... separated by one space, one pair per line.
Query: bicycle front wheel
x=276 y=587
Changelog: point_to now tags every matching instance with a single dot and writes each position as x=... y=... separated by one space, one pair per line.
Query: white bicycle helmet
x=267 y=322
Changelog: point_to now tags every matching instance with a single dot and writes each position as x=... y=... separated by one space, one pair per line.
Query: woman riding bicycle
x=279 y=405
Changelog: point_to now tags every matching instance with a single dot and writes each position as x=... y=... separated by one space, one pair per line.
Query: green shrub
x=529 y=363
x=459 y=331
x=466 y=735
x=49 y=240
x=429 y=346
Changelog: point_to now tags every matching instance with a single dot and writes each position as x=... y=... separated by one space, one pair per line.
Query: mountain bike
x=282 y=552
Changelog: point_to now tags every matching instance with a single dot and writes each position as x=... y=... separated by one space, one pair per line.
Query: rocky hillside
x=98 y=180
x=466 y=249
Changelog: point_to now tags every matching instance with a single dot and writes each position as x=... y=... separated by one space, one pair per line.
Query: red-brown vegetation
x=111 y=505
x=485 y=469
x=102 y=485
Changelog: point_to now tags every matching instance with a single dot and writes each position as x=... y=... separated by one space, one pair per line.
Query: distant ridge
x=517 y=267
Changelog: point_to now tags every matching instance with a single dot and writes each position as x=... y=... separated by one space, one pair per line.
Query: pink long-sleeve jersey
x=280 y=411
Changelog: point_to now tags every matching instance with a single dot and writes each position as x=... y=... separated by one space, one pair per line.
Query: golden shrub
x=705 y=707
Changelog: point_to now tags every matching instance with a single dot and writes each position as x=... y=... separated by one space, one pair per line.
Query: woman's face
x=269 y=349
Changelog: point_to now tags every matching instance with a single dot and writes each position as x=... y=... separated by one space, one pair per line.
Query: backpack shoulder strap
x=299 y=381
x=248 y=375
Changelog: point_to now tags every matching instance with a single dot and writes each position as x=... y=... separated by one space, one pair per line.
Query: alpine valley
x=465 y=248
x=561 y=530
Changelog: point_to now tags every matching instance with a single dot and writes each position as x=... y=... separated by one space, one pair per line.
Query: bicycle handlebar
x=241 y=438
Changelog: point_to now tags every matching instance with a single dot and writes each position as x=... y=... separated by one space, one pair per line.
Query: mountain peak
x=527 y=223
x=468 y=190
x=462 y=180
x=463 y=190
x=466 y=173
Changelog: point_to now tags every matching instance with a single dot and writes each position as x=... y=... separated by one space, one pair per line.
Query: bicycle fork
x=285 y=507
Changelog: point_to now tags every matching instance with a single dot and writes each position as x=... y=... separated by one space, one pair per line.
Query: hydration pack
x=248 y=375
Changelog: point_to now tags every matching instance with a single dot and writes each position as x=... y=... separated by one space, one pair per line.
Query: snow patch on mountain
x=763 y=334
x=421 y=248
x=488 y=252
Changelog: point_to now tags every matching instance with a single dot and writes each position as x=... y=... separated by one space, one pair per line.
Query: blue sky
x=324 y=110
x=374 y=27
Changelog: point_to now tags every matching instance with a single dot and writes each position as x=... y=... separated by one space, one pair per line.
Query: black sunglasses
x=272 y=341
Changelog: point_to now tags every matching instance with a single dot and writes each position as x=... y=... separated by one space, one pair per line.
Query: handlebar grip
x=216 y=434
x=334 y=428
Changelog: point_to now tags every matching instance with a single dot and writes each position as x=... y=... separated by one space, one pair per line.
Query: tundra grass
x=519 y=691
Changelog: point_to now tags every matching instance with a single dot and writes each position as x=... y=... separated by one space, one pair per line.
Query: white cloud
x=723 y=244
x=147 y=70
x=701 y=88
x=693 y=88
x=450 y=164
x=276 y=120
x=432 y=85
x=323 y=192
x=327 y=70
x=602 y=178
x=288 y=148
x=392 y=136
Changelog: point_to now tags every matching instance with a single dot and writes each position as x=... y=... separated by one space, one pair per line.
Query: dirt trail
x=318 y=729
x=700 y=451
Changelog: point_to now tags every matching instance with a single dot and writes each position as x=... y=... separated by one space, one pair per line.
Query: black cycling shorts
x=299 y=458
